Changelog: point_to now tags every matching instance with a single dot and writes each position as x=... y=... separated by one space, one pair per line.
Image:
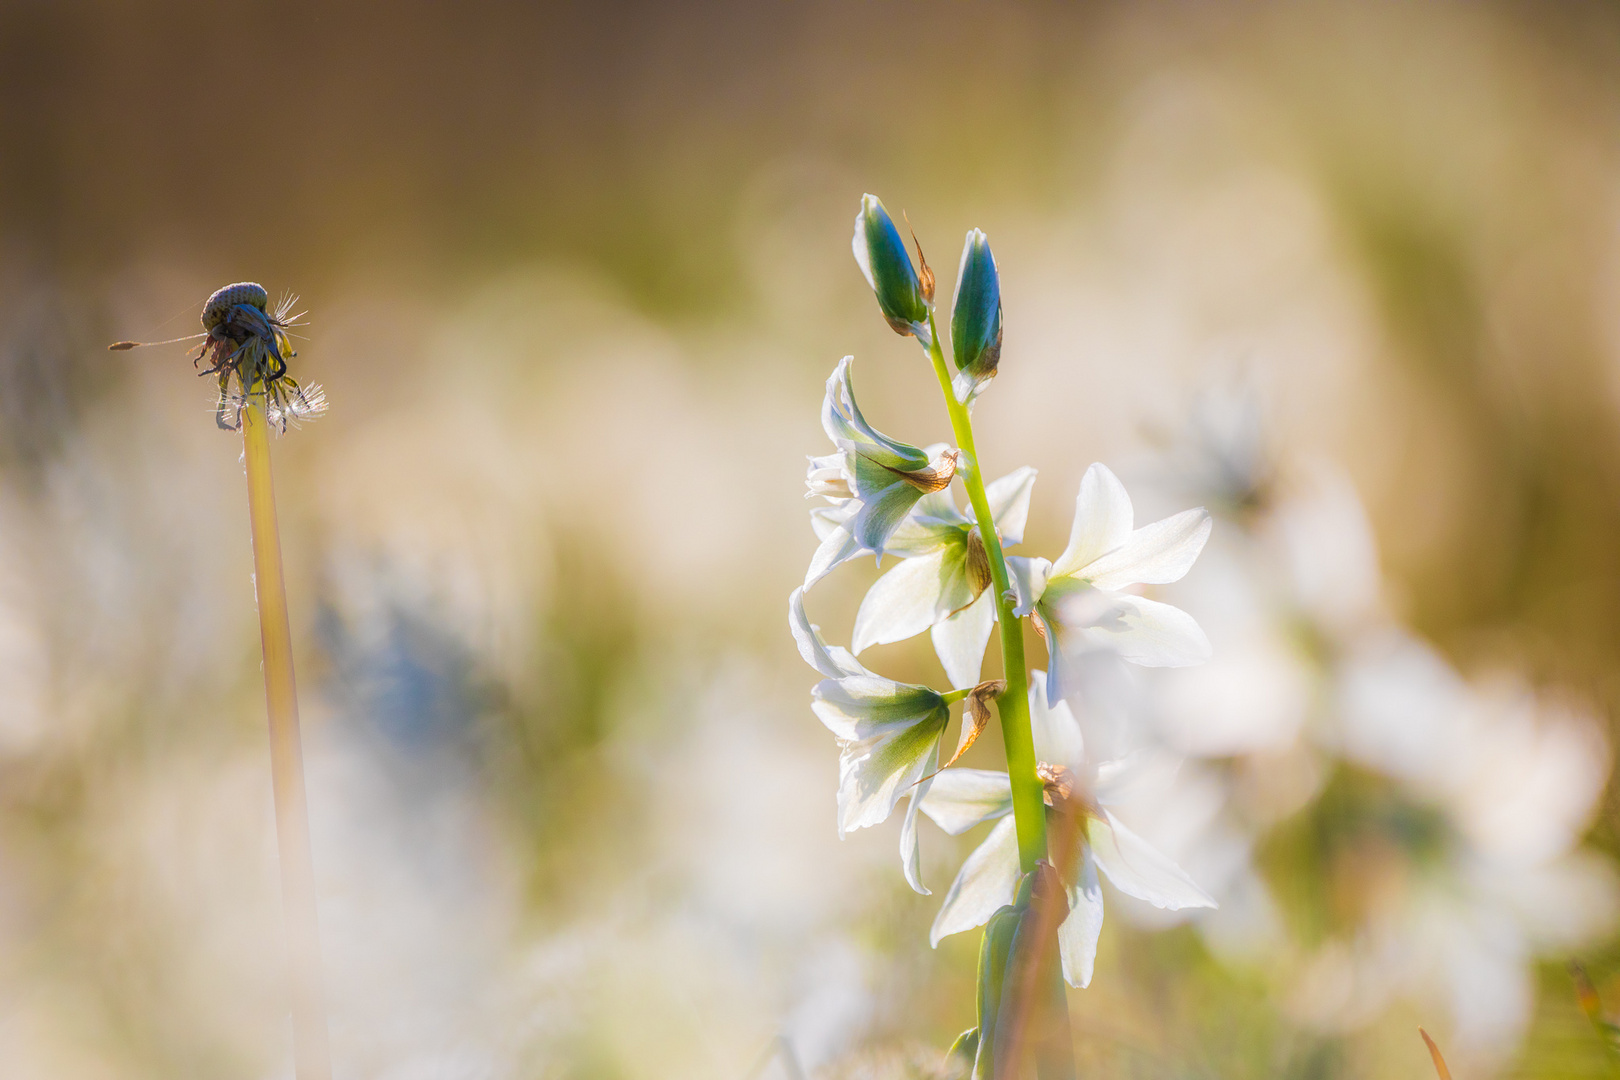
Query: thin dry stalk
x=311 y=1054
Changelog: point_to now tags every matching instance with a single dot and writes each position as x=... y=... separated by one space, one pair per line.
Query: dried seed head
x=220 y=304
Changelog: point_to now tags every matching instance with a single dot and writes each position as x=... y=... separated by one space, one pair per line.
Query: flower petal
x=1077 y=937
x=1055 y=730
x=910 y=849
x=912 y=597
x=882 y=508
x=962 y=798
x=933 y=522
x=987 y=880
x=1154 y=555
x=837 y=547
x=890 y=733
x=842 y=420
x=1102 y=520
x=959 y=641
x=1009 y=503
x=1141 y=631
x=1138 y=869
x=830 y=660
x=860 y=707
x=1029 y=577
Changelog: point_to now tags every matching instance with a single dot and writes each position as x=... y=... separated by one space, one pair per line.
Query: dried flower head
x=244 y=336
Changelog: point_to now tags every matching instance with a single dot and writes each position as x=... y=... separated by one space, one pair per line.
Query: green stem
x=1029 y=803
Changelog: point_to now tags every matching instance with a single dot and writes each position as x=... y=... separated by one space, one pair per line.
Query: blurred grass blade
x=1434 y=1052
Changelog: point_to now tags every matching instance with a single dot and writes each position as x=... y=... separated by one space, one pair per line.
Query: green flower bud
x=975 y=319
x=993 y=950
x=1032 y=1016
x=882 y=256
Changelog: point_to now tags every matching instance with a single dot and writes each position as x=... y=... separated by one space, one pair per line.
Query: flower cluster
x=886 y=497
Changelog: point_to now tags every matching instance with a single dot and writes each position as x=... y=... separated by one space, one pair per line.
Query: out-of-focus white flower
x=888 y=734
x=873 y=481
x=963 y=798
x=943 y=584
x=1076 y=602
x=1506 y=785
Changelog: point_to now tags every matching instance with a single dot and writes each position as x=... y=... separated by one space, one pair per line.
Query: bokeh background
x=1344 y=272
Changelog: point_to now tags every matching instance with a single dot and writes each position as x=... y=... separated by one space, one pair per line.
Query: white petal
x=912 y=597
x=962 y=798
x=932 y=523
x=825 y=520
x=1140 y=870
x=861 y=707
x=863 y=257
x=960 y=640
x=882 y=510
x=1009 y=503
x=910 y=849
x=1077 y=937
x=1055 y=730
x=1154 y=555
x=837 y=547
x=987 y=880
x=1029 y=578
x=874 y=772
x=1102 y=519
x=830 y=660
x=1065 y=673
x=849 y=430
x=1141 y=631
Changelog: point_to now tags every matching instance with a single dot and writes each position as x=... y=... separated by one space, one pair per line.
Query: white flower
x=944 y=581
x=888 y=733
x=873 y=480
x=1076 y=603
x=962 y=798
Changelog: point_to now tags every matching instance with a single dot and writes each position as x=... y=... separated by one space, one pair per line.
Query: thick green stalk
x=1029 y=803
x=310 y=1054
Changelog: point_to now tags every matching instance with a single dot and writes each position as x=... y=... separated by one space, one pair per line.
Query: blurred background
x=1343 y=272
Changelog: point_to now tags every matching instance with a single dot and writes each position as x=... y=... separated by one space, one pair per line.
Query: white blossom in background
x=1468 y=799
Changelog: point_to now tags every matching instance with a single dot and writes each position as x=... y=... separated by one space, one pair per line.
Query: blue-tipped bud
x=903 y=296
x=975 y=318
